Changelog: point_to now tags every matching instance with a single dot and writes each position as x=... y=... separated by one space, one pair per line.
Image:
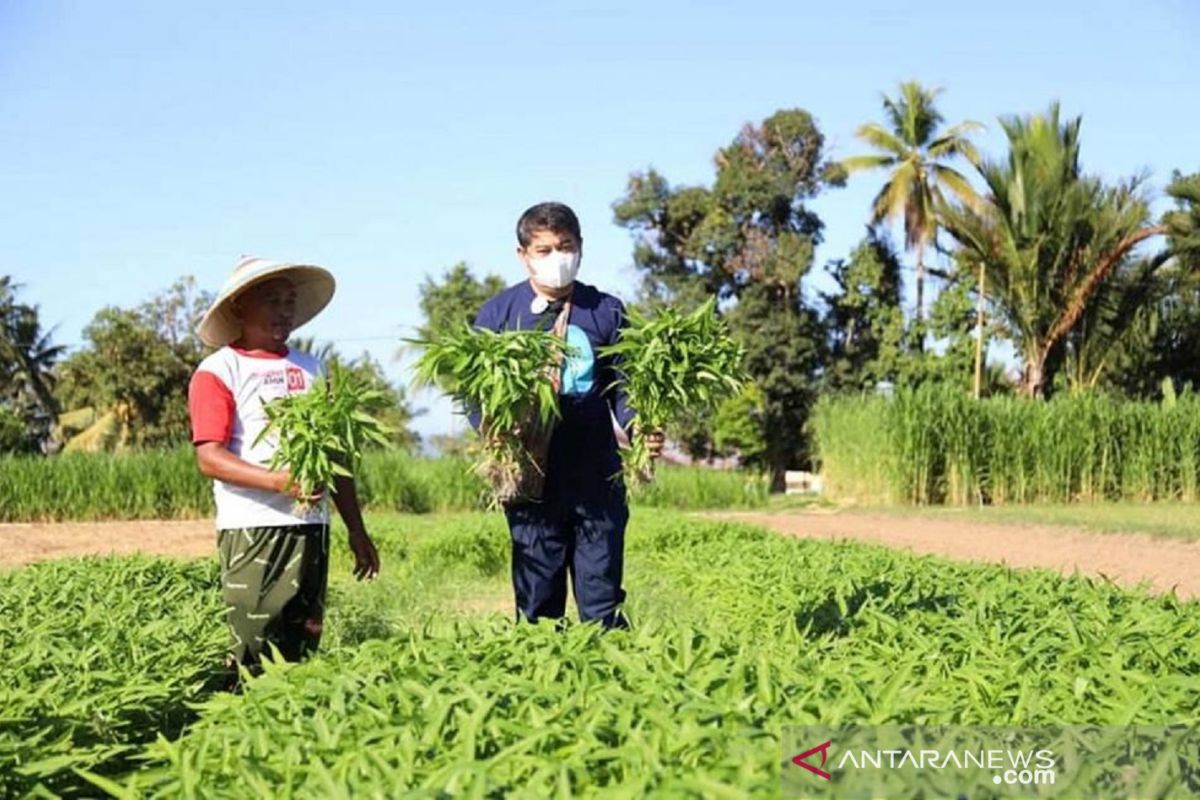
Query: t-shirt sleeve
x=488 y=317
x=211 y=408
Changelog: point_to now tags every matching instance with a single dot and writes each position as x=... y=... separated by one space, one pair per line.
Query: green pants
x=273 y=582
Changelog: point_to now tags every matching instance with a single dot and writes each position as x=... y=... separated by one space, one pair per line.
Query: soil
x=26 y=543
x=1128 y=559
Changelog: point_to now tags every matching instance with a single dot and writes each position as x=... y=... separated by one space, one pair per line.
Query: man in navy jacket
x=579 y=524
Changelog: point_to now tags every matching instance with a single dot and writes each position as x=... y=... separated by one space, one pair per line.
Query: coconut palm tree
x=31 y=357
x=915 y=150
x=27 y=359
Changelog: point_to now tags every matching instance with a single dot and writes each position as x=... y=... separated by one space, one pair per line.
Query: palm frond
x=894 y=196
x=867 y=162
x=881 y=139
x=957 y=183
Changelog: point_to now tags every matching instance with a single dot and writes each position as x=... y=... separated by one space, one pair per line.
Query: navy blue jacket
x=583 y=455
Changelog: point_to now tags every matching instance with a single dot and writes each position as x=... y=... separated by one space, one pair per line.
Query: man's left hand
x=366 y=557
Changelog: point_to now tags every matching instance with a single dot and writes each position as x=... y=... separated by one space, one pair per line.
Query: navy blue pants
x=549 y=540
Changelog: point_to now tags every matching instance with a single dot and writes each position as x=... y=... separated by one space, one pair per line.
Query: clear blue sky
x=143 y=141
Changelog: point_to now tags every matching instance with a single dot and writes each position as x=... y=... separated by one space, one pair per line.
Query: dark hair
x=555 y=217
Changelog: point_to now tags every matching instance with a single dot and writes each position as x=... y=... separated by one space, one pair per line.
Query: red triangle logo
x=801 y=760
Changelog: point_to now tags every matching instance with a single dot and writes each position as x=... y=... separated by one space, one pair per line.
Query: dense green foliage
x=323 y=432
x=422 y=689
x=100 y=655
x=505 y=378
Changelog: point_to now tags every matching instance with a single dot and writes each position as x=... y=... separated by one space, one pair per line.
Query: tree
x=914 y=150
x=1183 y=222
x=1162 y=337
x=1104 y=329
x=671 y=244
x=455 y=299
x=1162 y=340
x=864 y=321
x=749 y=239
x=392 y=408
x=783 y=353
x=738 y=426
x=135 y=368
x=952 y=324
x=1047 y=237
x=866 y=332
x=14 y=435
x=734 y=428
x=694 y=435
x=27 y=360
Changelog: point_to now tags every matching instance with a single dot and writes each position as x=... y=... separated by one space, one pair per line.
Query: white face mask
x=555 y=270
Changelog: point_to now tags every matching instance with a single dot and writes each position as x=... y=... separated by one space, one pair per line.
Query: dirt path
x=24 y=544
x=1125 y=558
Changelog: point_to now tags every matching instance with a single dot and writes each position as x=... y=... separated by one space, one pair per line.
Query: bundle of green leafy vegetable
x=671 y=365
x=322 y=432
x=505 y=377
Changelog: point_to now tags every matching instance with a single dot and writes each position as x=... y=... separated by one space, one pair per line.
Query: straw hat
x=314 y=289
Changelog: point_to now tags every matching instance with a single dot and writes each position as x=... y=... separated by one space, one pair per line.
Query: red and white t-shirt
x=225 y=401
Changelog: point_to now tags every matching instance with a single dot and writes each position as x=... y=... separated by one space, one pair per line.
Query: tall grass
x=150 y=485
x=935 y=444
x=695 y=488
x=396 y=481
x=167 y=485
x=854 y=460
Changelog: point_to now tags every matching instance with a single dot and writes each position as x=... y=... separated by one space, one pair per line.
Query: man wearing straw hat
x=274 y=556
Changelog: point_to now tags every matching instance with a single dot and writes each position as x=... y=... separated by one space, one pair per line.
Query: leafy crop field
x=424 y=686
